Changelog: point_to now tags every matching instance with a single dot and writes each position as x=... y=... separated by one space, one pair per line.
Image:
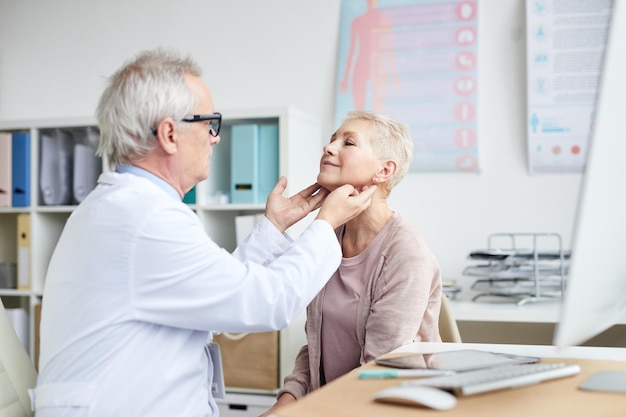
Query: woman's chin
x=328 y=186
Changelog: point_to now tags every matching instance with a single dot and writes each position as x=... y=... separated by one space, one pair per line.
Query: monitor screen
x=595 y=292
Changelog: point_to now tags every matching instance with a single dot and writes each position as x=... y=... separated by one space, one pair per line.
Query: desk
x=350 y=397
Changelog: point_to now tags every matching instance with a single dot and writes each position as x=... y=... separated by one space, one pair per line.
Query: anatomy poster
x=415 y=60
x=565 y=47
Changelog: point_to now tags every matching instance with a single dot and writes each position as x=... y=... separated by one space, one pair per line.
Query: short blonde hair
x=391 y=140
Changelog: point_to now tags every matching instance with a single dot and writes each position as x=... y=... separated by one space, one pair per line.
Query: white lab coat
x=134 y=289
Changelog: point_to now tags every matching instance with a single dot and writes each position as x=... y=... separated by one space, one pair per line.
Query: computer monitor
x=595 y=292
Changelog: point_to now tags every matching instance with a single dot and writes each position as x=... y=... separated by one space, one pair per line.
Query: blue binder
x=254 y=162
x=20 y=172
x=268 y=160
x=244 y=159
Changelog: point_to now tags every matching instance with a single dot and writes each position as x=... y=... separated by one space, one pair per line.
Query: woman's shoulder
x=405 y=239
x=403 y=229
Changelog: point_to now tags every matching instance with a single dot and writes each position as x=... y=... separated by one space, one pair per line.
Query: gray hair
x=391 y=140
x=144 y=91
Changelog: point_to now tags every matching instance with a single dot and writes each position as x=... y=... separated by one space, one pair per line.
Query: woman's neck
x=362 y=230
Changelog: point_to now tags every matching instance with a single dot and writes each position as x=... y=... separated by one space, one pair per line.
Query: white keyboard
x=496 y=378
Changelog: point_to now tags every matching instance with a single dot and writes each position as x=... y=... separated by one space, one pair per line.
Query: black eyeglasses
x=215 y=121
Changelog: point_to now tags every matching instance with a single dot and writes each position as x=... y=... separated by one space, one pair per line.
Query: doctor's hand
x=345 y=203
x=283 y=212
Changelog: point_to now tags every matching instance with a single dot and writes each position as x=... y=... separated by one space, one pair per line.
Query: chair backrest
x=448 y=329
x=17 y=373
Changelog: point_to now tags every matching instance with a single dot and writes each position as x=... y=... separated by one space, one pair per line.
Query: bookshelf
x=300 y=145
x=44 y=223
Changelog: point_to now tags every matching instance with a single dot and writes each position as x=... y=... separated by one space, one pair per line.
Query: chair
x=448 y=329
x=17 y=373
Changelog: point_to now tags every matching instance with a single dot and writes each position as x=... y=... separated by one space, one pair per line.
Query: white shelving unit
x=300 y=146
x=46 y=222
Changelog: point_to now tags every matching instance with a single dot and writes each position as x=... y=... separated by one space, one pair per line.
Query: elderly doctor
x=135 y=287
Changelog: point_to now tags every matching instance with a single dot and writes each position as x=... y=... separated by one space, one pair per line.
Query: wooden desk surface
x=349 y=396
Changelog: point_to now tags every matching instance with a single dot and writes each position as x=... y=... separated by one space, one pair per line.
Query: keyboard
x=496 y=378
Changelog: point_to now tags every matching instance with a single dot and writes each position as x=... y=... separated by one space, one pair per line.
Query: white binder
x=86 y=171
x=56 y=168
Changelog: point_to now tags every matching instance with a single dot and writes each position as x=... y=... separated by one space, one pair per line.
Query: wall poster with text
x=415 y=60
x=565 y=42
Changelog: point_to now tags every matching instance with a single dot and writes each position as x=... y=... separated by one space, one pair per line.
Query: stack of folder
x=69 y=167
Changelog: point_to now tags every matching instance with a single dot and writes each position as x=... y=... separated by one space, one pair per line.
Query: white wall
x=54 y=56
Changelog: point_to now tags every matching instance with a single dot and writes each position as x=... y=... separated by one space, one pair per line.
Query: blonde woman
x=387 y=290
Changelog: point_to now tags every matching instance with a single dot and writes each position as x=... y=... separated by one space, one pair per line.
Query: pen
x=400 y=373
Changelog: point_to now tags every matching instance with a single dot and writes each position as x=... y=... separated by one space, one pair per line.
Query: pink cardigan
x=400 y=304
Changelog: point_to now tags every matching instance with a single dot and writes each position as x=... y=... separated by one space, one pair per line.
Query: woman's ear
x=386 y=171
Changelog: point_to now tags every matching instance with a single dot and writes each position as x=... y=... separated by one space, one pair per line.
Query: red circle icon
x=466 y=36
x=466 y=163
x=466 y=10
x=464 y=112
x=465 y=138
x=465 y=60
x=465 y=86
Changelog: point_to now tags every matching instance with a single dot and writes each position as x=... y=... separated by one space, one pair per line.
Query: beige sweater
x=399 y=305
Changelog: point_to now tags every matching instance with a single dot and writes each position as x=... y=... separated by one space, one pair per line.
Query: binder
x=55 y=174
x=268 y=160
x=23 y=251
x=86 y=171
x=8 y=275
x=254 y=162
x=244 y=157
x=5 y=169
x=21 y=169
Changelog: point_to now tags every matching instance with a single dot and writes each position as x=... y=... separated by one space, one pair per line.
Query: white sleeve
x=179 y=277
x=264 y=243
